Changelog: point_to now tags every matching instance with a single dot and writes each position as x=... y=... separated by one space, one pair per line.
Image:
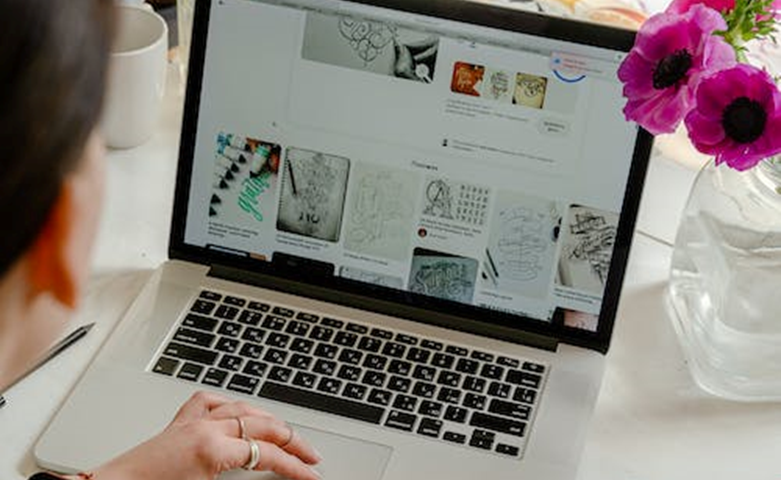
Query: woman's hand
x=205 y=439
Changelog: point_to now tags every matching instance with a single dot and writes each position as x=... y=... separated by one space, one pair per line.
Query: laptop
x=400 y=225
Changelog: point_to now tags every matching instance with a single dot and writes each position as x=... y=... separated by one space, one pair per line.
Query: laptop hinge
x=385 y=307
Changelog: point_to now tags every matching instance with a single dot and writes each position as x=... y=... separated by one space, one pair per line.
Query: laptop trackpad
x=344 y=458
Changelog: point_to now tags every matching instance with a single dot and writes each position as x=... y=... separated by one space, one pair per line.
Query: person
x=53 y=65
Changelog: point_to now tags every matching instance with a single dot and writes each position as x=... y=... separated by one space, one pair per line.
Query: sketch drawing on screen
x=451 y=200
x=443 y=276
x=589 y=237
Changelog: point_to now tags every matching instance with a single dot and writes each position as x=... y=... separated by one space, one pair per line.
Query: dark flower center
x=672 y=69
x=744 y=120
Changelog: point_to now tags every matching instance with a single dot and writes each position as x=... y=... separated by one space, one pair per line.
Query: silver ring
x=242 y=431
x=254 y=455
x=290 y=435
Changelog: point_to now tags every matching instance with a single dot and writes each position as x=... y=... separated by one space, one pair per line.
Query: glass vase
x=725 y=281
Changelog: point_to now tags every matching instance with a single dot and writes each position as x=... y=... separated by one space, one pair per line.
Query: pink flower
x=671 y=53
x=737 y=117
x=682 y=6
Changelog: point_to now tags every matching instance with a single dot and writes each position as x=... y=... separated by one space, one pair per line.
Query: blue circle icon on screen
x=561 y=77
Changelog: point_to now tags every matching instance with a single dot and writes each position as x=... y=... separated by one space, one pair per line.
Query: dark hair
x=53 y=65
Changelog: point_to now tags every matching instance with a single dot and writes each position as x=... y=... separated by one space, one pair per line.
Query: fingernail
x=318 y=455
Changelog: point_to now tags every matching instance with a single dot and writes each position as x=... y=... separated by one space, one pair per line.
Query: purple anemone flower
x=671 y=53
x=737 y=117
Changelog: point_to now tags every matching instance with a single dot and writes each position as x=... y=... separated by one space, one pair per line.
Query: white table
x=651 y=421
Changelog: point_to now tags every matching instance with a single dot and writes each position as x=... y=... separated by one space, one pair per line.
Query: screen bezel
x=455 y=10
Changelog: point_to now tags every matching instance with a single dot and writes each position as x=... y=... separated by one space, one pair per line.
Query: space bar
x=324 y=403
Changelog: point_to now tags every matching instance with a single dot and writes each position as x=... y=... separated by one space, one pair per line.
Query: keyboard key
x=200 y=322
x=501 y=390
x=235 y=301
x=230 y=329
x=418 y=355
x=280 y=374
x=425 y=373
x=274 y=323
x=497 y=424
x=460 y=351
x=508 y=362
x=227 y=345
x=405 y=402
x=283 y=312
x=301 y=362
x=379 y=397
x=525 y=395
x=406 y=339
x=345 y=339
x=380 y=333
x=443 y=360
x=399 y=384
x=259 y=306
x=474 y=384
x=456 y=414
x=302 y=345
x=464 y=365
x=524 y=379
x=194 y=337
x=508 y=450
x=370 y=344
x=533 y=367
x=304 y=379
x=400 y=367
x=424 y=389
x=165 y=366
x=255 y=368
x=203 y=307
x=325 y=403
x=449 y=379
x=190 y=353
x=474 y=401
x=482 y=439
x=348 y=355
x=430 y=427
x=431 y=409
x=248 y=317
x=482 y=356
x=308 y=317
x=332 y=322
x=322 y=333
x=374 y=379
x=227 y=312
x=251 y=350
x=354 y=391
x=454 y=437
x=355 y=328
x=278 y=340
x=449 y=395
x=215 y=377
x=329 y=385
x=295 y=327
x=276 y=356
x=324 y=367
x=190 y=371
x=243 y=384
x=491 y=371
x=209 y=295
x=231 y=362
x=432 y=345
x=401 y=421
x=395 y=350
x=375 y=362
x=349 y=372
x=252 y=334
x=508 y=409
x=325 y=350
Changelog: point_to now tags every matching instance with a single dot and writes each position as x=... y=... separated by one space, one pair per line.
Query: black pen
x=2 y=402
x=53 y=351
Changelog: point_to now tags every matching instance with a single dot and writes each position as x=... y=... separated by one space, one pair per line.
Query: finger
x=272 y=458
x=281 y=434
x=199 y=405
x=238 y=409
x=425 y=54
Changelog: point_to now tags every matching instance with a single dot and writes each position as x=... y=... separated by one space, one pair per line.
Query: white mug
x=136 y=82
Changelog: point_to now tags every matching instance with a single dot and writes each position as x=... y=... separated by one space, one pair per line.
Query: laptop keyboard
x=385 y=377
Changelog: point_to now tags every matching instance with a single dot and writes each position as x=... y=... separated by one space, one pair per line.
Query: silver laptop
x=402 y=226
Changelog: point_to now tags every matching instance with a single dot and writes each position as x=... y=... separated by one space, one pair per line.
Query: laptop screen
x=410 y=153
